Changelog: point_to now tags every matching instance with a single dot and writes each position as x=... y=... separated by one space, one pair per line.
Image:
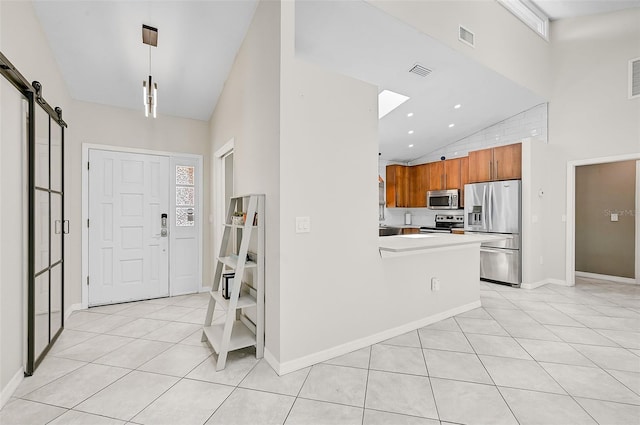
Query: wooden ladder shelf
x=243 y=323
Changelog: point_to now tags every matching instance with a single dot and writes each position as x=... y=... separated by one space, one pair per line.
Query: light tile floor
x=553 y=355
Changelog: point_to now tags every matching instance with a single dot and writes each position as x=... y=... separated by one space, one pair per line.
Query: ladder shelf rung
x=244 y=301
x=232 y=261
x=241 y=336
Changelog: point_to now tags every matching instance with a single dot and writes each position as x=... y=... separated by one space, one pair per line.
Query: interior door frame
x=571 y=212
x=86 y=147
x=218 y=208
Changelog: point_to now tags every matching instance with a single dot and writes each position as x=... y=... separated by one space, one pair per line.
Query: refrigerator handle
x=489 y=208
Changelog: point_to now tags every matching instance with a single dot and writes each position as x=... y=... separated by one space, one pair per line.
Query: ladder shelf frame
x=238 y=331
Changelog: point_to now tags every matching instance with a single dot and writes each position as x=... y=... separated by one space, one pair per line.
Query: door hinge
x=87 y=222
x=88 y=165
x=87 y=280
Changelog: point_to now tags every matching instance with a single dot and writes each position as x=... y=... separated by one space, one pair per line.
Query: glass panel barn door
x=46 y=228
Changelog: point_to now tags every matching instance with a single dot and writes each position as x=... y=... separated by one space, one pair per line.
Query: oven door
x=440 y=202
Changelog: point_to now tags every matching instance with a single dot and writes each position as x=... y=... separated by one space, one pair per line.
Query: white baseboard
x=11 y=387
x=534 y=285
x=321 y=356
x=543 y=282
x=606 y=277
x=71 y=309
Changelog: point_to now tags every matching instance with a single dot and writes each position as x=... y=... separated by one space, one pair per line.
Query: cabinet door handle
x=497 y=170
x=490 y=170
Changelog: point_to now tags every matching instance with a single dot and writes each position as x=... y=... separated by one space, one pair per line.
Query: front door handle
x=163 y=225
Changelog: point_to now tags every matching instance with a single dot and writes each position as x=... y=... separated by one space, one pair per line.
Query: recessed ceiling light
x=457 y=106
x=411 y=145
x=388 y=101
x=451 y=125
x=410 y=114
x=410 y=131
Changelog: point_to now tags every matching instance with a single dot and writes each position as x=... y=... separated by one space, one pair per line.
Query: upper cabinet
x=436 y=176
x=501 y=163
x=397 y=186
x=418 y=185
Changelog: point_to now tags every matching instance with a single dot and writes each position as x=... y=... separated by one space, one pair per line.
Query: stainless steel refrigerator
x=495 y=207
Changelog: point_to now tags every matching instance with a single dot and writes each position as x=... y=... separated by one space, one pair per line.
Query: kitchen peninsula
x=434 y=275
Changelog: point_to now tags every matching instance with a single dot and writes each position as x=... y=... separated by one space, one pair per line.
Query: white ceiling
x=561 y=9
x=359 y=40
x=98 y=46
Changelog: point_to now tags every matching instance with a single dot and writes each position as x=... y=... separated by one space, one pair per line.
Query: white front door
x=128 y=254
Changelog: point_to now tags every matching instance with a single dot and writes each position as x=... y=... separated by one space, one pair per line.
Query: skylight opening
x=388 y=101
x=528 y=13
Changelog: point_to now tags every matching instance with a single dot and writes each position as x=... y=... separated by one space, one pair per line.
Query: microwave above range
x=443 y=199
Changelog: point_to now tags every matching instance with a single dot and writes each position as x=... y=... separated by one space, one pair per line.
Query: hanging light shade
x=150 y=97
x=149 y=88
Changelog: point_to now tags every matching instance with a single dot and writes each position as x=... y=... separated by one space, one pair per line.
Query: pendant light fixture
x=149 y=87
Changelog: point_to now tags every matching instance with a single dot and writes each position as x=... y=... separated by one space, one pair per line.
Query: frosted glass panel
x=42 y=148
x=41 y=313
x=185 y=196
x=184 y=217
x=56 y=299
x=56 y=227
x=184 y=175
x=56 y=157
x=41 y=215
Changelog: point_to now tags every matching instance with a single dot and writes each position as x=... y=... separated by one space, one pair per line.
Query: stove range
x=444 y=224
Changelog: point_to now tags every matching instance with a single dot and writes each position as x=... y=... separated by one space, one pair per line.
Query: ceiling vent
x=420 y=70
x=634 y=78
x=466 y=36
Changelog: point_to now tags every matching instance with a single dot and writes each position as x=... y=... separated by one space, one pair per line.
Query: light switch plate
x=614 y=217
x=303 y=224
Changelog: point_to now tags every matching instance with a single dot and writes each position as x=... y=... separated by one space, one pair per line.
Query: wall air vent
x=634 y=78
x=420 y=70
x=466 y=36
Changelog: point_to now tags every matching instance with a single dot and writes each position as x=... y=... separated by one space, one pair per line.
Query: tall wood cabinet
x=501 y=163
x=397 y=186
x=418 y=185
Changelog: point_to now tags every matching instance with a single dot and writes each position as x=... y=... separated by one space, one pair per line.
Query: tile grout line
x=424 y=358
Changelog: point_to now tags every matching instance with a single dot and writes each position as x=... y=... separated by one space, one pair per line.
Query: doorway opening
x=603 y=200
x=223 y=189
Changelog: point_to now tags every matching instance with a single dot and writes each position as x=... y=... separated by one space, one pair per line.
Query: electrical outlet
x=435 y=284
x=614 y=217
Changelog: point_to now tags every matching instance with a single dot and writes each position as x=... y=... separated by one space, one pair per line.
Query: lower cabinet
x=410 y=230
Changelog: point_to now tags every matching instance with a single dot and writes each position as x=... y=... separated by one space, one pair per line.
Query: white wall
x=590 y=115
x=503 y=42
x=24 y=44
x=327 y=274
x=249 y=112
x=107 y=125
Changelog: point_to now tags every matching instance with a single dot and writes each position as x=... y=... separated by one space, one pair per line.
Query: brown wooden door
x=464 y=177
x=452 y=173
x=418 y=185
x=507 y=162
x=436 y=175
x=480 y=166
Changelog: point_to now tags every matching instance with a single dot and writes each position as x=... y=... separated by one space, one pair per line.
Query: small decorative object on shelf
x=238 y=218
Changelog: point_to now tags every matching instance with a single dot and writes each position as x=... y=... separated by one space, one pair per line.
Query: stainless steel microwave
x=443 y=199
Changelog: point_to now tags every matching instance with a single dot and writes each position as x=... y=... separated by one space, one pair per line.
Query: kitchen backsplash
x=530 y=124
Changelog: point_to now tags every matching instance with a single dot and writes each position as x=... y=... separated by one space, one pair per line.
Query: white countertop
x=422 y=241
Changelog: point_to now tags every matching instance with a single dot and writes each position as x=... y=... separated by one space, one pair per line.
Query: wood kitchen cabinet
x=464 y=178
x=418 y=185
x=501 y=163
x=436 y=176
x=452 y=173
x=508 y=162
x=397 y=186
